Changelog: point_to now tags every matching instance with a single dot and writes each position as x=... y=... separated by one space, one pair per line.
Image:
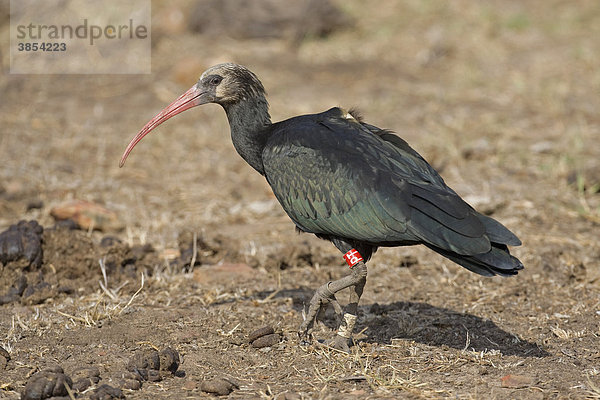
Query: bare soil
x=501 y=96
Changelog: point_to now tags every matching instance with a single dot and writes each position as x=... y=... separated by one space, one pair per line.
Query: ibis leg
x=326 y=295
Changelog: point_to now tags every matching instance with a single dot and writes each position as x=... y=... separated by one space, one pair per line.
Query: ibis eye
x=215 y=80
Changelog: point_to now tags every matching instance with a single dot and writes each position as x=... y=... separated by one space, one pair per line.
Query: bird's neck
x=249 y=121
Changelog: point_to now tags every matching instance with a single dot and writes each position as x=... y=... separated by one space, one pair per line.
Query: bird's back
x=336 y=176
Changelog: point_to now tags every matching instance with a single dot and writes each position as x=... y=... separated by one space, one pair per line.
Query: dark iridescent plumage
x=339 y=178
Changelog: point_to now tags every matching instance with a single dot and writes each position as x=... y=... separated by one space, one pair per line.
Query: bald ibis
x=349 y=182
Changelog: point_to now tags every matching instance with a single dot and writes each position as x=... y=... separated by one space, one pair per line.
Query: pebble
x=107 y=392
x=266 y=341
x=148 y=363
x=88 y=215
x=47 y=383
x=129 y=380
x=22 y=241
x=264 y=331
x=34 y=205
x=169 y=360
x=218 y=386
x=143 y=361
x=131 y=384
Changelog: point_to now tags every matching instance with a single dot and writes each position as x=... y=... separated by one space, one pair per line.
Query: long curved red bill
x=189 y=99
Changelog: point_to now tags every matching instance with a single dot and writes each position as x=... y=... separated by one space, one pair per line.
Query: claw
x=305 y=338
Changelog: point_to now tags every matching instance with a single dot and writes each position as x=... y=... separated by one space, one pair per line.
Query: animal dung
x=264 y=337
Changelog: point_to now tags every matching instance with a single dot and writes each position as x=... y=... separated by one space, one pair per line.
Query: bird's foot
x=343 y=339
x=317 y=306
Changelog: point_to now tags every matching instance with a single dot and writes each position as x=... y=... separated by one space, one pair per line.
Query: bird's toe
x=304 y=337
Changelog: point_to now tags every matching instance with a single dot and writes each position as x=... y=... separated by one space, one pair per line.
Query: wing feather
x=334 y=176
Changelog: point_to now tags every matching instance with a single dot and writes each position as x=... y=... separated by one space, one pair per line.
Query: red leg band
x=352 y=257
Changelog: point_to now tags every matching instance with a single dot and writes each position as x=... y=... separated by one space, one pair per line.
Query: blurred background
x=501 y=96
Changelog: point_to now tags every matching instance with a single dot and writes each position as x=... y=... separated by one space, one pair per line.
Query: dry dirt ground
x=503 y=97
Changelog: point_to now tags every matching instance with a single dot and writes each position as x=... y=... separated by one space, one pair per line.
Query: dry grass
x=566 y=334
x=104 y=304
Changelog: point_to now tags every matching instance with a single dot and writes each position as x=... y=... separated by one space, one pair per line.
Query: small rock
x=153 y=375
x=46 y=383
x=265 y=330
x=266 y=341
x=34 y=205
x=108 y=241
x=106 y=392
x=169 y=360
x=516 y=381
x=87 y=215
x=15 y=291
x=143 y=360
x=129 y=380
x=131 y=375
x=67 y=224
x=130 y=384
x=8 y=298
x=65 y=289
x=19 y=285
x=219 y=386
x=148 y=363
x=80 y=385
x=84 y=377
x=37 y=294
x=22 y=241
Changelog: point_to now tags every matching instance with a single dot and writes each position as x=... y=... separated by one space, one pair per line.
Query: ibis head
x=225 y=84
